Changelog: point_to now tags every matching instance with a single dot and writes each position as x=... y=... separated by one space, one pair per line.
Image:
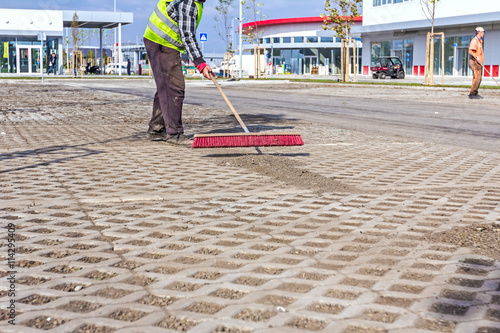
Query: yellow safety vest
x=163 y=30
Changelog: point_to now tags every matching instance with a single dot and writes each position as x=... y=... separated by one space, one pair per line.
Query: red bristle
x=247 y=141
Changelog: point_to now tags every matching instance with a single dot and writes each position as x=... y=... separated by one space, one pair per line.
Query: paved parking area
x=115 y=233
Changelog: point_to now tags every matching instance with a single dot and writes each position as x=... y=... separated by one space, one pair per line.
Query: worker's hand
x=207 y=72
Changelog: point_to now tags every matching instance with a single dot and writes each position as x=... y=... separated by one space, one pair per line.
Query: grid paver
x=130 y=235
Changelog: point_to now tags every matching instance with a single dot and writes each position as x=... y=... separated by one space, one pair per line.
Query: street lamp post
x=241 y=39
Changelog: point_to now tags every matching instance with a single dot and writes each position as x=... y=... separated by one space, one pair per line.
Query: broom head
x=227 y=140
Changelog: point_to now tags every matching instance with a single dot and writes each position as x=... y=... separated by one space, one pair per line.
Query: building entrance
x=463 y=61
x=309 y=63
x=29 y=59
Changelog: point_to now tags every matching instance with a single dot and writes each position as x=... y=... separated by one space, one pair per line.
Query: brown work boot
x=179 y=139
x=153 y=135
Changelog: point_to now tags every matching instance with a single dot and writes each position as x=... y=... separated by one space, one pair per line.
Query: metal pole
x=41 y=56
x=101 y=65
x=120 y=49
x=241 y=39
x=202 y=52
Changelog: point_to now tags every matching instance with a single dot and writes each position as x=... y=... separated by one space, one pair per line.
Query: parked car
x=388 y=66
x=113 y=69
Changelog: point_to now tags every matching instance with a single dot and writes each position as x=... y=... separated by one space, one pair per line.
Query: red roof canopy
x=274 y=22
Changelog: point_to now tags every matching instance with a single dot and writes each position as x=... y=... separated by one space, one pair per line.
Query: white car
x=113 y=69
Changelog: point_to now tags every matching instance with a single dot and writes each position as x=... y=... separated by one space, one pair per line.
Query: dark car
x=388 y=66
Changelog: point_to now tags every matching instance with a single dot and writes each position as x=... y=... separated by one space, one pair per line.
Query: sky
x=142 y=10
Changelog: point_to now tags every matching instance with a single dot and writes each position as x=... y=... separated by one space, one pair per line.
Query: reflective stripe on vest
x=163 y=30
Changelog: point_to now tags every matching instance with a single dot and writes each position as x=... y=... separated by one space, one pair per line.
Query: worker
x=170 y=31
x=476 y=62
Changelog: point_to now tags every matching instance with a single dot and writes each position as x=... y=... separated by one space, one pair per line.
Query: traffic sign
x=203 y=37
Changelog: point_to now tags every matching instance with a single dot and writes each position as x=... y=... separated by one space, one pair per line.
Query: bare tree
x=223 y=22
x=75 y=32
x=253 y=13
x=340 y=15
x=429 y=9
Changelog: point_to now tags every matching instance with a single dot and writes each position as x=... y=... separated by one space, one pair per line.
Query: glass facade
x=22 y=55
x=377 y=3
x=299 y=61
x=403 y=49
x=456 y=55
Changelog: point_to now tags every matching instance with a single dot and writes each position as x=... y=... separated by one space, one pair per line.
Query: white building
x=299 y=44
x=400 y=27
x=22 y=51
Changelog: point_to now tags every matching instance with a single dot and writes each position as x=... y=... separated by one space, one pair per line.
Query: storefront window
x=326 y=39
x=403 y=49
x=298 y=39
x=7 y=55
x=378 y=50
x=287 y=40
x=276 y=40
x=312 y=39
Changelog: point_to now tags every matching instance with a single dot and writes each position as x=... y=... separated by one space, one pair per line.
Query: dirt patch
x=287 y=171
x=381 y=316
x=187 y=260
x=250 y=281
x=326 y=308
x=409 y=289
x=225 y=329
x=184 y=286
x=92 y=260
x=207 y=275
x=94 y=329
x=255 y=315
x=307 y=324
x=63 y=269
x=205 y=307
x=296 y=287
x=439 y=325
x=37 y=299
x=70 y=287
x=82 y=246
x=207 y=251
x=28 y=263
x=269 y=270
x=127 y=264
x=167 y=270
x=277 y=300
x=343 y=294
x=45 y=323
x=161 y=301
x=483 y=238
x=395 y=301
x=32 y=281
x=127 y=315
x=96 y=275
x=80 y=307
x=112 y=293
x=141 y=281
x=227 y=265
x=229 y=293
x=178 y=324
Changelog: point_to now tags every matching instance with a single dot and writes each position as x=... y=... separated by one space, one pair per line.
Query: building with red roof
x=300 y=45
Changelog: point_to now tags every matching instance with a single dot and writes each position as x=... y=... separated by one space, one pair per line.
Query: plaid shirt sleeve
x=188 y=13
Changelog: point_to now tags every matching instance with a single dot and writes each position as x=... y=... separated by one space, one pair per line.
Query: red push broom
x=247 y=139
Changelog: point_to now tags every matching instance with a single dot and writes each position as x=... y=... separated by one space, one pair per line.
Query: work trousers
x=477 y=78
x=170 y=88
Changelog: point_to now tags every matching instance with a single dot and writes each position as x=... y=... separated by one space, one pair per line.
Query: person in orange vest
x=171 y=30
x=476 y=62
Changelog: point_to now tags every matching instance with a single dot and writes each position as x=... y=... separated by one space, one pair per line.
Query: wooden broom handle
x=242 y=124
